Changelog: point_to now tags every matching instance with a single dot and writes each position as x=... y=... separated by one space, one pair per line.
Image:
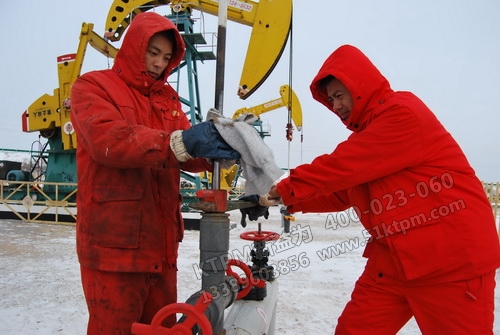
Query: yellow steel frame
x=53 y=111
x=45 y=203
x=288 y=99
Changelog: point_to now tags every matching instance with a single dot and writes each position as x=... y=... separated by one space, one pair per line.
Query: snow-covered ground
x=41 y=292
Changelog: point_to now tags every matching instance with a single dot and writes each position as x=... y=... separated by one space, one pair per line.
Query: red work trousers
x=115 y=300
x=464 y=307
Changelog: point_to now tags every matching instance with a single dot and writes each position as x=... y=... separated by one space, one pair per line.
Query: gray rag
x=257 y=159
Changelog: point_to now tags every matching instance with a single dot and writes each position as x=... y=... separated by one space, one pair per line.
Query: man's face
x=158 y=55
x=340 y=98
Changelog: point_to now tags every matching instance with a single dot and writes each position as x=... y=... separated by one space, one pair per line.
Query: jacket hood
x=368 y=87
x=130 y=62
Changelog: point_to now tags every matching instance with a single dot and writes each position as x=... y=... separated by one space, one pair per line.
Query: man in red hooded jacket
x=433 y=246
x=133 y=140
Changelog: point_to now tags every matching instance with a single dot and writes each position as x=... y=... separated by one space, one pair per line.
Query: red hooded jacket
x=407 y=178
x=128 y=178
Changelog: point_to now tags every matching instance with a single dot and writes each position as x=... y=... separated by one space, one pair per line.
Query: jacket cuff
x=285 y=190
x=178 y=147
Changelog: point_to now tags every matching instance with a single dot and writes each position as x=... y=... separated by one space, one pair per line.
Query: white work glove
x=178 y=147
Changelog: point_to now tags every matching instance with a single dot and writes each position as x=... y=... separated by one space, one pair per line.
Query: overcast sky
x=447 y=52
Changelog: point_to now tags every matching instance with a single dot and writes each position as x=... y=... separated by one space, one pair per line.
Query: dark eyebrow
x=155 y=48
x=336 y=93
x=158 y=50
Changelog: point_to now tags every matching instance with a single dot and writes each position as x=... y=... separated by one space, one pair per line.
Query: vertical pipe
x=221 y=56
x=214 y=247
x=214 y=227
x=219 y=77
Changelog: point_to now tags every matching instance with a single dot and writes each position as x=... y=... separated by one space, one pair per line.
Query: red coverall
x=129 y=221
x=434 y=246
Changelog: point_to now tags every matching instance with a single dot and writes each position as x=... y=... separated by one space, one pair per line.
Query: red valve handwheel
x=245 y=282
x=194 y=316
x=260 y=236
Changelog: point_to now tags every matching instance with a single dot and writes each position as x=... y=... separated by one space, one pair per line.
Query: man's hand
x=273 y=193
x=201 y=140
x=268 y=201
x=272 y=198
